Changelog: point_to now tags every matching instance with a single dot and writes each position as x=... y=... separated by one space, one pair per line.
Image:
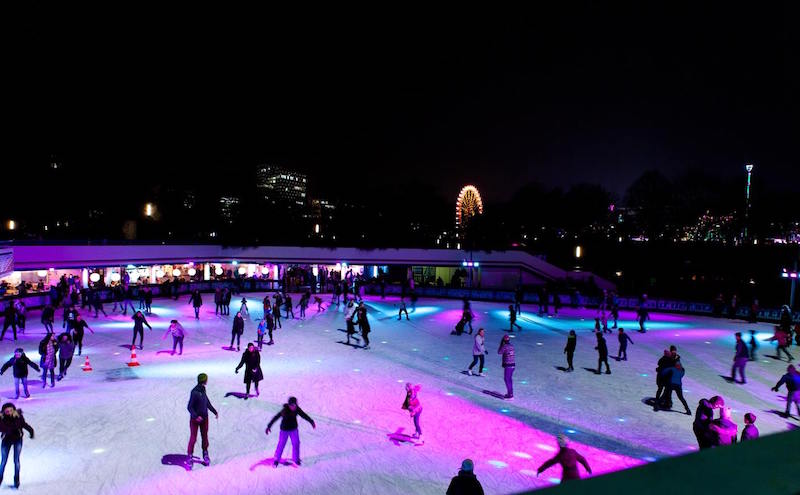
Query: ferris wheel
x=468 y=205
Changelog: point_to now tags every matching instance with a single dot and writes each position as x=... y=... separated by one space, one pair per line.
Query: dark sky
x=587 y=94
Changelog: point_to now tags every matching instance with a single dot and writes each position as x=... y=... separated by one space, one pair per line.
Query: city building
x=229 y=208
x=278 y=185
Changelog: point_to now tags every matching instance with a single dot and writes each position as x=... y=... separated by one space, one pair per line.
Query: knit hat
x=202 y=378
x=467 y=465
x=293 y=400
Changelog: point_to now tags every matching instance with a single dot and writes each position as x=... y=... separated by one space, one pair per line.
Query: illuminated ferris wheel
x=468 y=205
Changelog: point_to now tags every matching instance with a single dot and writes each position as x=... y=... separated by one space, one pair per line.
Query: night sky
x=587 y=94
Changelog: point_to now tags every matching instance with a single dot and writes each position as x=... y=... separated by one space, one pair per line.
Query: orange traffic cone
x=87 y=366
x=133 y=361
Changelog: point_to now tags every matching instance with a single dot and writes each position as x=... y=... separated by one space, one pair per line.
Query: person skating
x=48 y=349
x=49 y=318
x=673 y=377
x=507 y=350
x=237 y=330
x=467 y=317
x=666 y=361
x=624 y=338
x=79 y=328
x=512 y=319
x=66 y=349
x=226 y=301
x=198 y=407
x=140 y=295
x=782 y=337
x=792 y=381
x=518 y=296
x=288 y=430
x=276 y=313
x=414 y=407
x=148 y=302
x=363 y=323
x=723 y=430
x=614 y=309
x=602 y=354
x=569 y=349
x=642 y=314
x=402 y=310
x=753 y=344
x=197 y=301
x=178 y=333
x=465 y=483
x=478 y=351
x=139 y=322
x=703 y=416
x=11 y=425
x=287 y=306
x=749 y=432
x=243 y=306
x=349 y=315
x=97 y=303
x=251 y=360
x=740 y=358
x=20 y=363
x=9 y=320
x=217 y=302
x=260 y=331
x=568 y=459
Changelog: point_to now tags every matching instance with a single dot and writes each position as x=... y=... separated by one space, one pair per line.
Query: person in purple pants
x=288 y=417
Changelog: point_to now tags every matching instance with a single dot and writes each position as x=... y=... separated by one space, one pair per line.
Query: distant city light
x=12 y=225
x=148 y=209
x=578 y=251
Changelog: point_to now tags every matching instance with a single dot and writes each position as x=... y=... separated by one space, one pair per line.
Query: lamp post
x=749 y=169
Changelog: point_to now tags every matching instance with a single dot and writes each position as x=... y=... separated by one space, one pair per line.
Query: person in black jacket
x=198 y=408
x=9 y=320
x=363 y=323
x=569 y=349
x=48 y=318
x=196 y=301
x=20 y=362
x=11 y=425
x=66 y=349
x=78 y=331
x=602 y=354
x=237 y=330
x=740 y=358
x=226 y=296
x=148 y=302
x=251 y=360
x=624 y=338
x=139 y=322
x=288 y=417
x=465 y=483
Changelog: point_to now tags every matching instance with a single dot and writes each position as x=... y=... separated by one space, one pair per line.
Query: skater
x=126 y=300
x=568 y=459
x=217 y=301
x=139 y=323
x=459 y=329
x=783 y=338
x=673 y=377
x=198 y=407
x=478 y=352
x=740 y=358
x=602 y=354
x=402 y=310
x=11 y=425
x=237 y=330
x=261 y=330
x=349 y=314
x=20 y=362
x=465 y=483
x=66 y=349
x=318 y=302
x=78 y=331
x=624 y=338
x=556 y=303
x=569 y=349
x=614 y=309
x=9 y=320
x=287 y=306
x=148 y=302
x=703 y=416
x=753 y=345
x=97 y=303
x=602 y=319
x=303 y=304
x=665 y=362
x=792 y=381
x=197 y=301
x=753 y=314
x=337 y=293
x=251 y=360
x=288 y=427
x=140 y=294
x=363 y=323
x=467 y=317
x=414 y=407
x=749 y=432
x=49 y=317
x=518 y=296
x=642 y=313
x=512 y=319
x=226 y=301
x=48 y=349
x=243 y=306
x=723 y=430
x=178 y=333
x=507 y=350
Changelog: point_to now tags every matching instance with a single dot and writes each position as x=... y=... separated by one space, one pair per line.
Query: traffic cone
x=133 y=361
x=87 y=366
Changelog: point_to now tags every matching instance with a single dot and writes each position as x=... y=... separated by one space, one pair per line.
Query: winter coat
x=65 y=349
x=289 y=418
x=238 y=325
x=741 y=350
x=48 y=314
x=199 y=405
x=251 y=361
x=197 y=300
x=349 y=312
x=176 y=329
x=465 y=484
x=792 y=382
x=624 y=338
x=602 y=348
x=49 y=355
x=569 y=460
x=20 y=366
x=139 y=322
x=478 y=346
x=750 y=432
x=673 y=376
x=412 y=402
x=12 y=426
x=262 y=327
x=363 y=322
x=724 y=432
x=572 y=341
x=507 y=350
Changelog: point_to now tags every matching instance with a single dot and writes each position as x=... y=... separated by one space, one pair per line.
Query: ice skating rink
x=124 y=430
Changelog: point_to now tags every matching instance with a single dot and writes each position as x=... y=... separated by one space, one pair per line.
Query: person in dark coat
x=662 y=400
x=288 y=417
x=198 y=408
x=624 y=338
x=9 y=320
x=251 y=360
x=568 y=459
x=287 y=305
x=11 y=425
x=148 y=301
x=97 y=303
x=196 y=301
x=363 y=323
x=673 y=378
x=465 y=483
x=602 y=354
x=48 y=350
x=569 y=349
x=703 y=416
x=750 y=432
x=792 y=381
x=753 y=344
x=217 y=302
x=506 y=349
x=79 y=327
x=723 y=430
x=48 y=318
x=20 y=362
x=66 y=349
x=740 y=358
x=226 y=301
x=139 y=323
x=237 y=330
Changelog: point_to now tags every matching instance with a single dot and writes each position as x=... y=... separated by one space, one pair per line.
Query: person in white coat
x=478 y=351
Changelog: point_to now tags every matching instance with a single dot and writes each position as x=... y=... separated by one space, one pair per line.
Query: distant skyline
x=595 y=94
